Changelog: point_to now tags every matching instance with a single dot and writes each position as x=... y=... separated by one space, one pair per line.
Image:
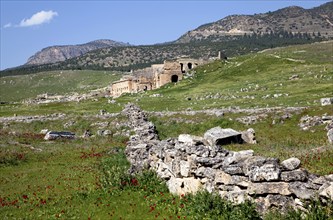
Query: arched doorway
x=174 y=78
x=182 y=68
x=189 y=65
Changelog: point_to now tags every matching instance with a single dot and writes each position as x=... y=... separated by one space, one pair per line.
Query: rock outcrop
x=192 y=163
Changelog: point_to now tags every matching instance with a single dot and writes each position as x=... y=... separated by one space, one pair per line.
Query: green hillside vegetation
x=138 y=57
x=252 y=81
x=86 y=178
x=53 y=82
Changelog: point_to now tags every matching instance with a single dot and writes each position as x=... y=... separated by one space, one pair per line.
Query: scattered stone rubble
x=74 y=97
x=307 y=122
x=192 y=163
x=29 y=119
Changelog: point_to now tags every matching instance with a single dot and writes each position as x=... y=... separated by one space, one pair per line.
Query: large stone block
x=236 y=197
x=300 y=190
x=294 y=175
x=269 y=188
x=266 y=172
x=185 y=168
x=219 y=136
x=184 y=185
x=226 y=179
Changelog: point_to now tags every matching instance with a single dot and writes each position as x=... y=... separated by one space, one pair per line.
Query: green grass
x=88 y=179
x=16 y=88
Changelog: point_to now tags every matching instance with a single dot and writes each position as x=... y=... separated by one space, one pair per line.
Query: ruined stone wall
x=154 y=77
x=191 y=163
x=122 y=86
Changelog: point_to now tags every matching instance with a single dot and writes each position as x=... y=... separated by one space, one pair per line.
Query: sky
x=29 y=26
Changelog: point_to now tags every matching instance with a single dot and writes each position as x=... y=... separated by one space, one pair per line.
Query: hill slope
x=291 y=19
x=17 y=88
x=290 y=76
x=55 y=54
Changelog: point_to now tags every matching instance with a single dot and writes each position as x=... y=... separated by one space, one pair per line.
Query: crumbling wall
x=192 y=163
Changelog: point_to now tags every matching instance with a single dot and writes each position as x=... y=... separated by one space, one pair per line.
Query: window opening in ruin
x=182 y=67
x=189 y=65
x=174 y=78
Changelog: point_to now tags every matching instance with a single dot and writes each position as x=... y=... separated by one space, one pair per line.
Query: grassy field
x=86 y=178
x=16 y=88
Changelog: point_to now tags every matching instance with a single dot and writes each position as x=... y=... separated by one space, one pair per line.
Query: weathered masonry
x=190 y=163
x=156 y=76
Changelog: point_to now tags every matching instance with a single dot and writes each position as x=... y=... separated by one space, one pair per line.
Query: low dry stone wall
x=192 y=163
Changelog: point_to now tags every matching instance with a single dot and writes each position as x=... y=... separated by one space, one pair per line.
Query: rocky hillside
x=317 y=21
x=60 y=53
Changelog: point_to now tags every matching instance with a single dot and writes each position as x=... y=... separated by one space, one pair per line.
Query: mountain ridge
x=226 y=35
x=53 y=54
x=292 y=19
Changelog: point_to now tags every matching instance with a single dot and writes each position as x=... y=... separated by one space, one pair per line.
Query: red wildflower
x=134 y=182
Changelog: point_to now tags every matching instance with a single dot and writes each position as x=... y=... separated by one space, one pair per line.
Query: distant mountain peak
x=58 y=53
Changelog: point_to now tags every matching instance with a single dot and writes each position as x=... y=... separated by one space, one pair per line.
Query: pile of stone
x=192 y=163
x=307 y=122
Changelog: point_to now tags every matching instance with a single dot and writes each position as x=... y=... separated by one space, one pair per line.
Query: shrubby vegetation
x=130 y=58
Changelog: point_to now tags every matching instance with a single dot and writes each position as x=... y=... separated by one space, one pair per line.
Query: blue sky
x=29 y=26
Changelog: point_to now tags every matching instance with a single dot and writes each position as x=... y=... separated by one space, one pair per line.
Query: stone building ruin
x=155 y=76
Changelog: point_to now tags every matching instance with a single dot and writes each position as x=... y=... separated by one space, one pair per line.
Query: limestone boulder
x=326 y=101
x=300 y=190
x=164 y=171
x=236 y=197
x=219 y=136
x=327 y=190
x=291 y=163
x=205 y=172
x=279 y=202
x=190 y=139
x=249 y=136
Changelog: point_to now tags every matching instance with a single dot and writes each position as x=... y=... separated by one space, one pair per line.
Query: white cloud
x=7 y=25
x=38 y=18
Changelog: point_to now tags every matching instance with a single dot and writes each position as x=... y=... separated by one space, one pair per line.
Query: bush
x=205 y=205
